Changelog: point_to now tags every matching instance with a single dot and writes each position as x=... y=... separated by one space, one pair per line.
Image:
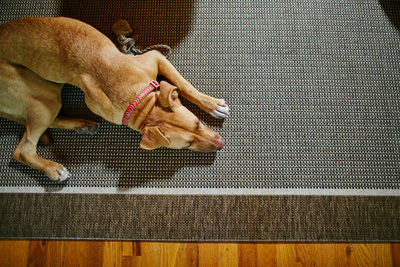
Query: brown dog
x=37 y=55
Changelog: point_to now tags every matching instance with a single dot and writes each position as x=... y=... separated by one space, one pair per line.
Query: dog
x=38 y=55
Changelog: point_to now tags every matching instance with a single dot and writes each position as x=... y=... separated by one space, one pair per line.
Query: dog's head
x=170 y=124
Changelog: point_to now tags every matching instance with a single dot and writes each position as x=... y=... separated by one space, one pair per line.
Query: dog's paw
x=89 y=129
x=222 y=112
x=63 y=175
x=58 y=173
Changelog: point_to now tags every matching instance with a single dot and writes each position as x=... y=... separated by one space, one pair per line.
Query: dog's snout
x=220 y=143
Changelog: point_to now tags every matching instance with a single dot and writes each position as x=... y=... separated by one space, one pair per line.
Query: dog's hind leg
x=39 y=117
x=34 y=102
x=26 y=150
x=80 y=125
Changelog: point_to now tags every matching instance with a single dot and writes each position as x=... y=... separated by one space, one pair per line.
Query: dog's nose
x=220 y=143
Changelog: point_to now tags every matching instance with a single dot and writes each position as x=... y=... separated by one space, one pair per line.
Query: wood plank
x=315 y=254
x=150 y=255
x=395 y=252
x=364 y=255
x=55 y=253
x=75 y=253
x=325 y=254
x=127 y=248
x=192 y=251
x=248 y=255
x=95 y=251
x=14 y=253
x=372 y=255
x=129 y=253
x=37 y=253
x=208 y=254
x=228 y=255
x=179 y=254
x=46 y=253
x=131 y=248
x=344 y=254
x=306 y=254
x=112 y=253
x=382 y=255
x=286 y=254
x=266 y=254
x=116 y=253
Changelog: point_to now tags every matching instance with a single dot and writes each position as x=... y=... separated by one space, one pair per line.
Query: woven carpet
x=312 y=144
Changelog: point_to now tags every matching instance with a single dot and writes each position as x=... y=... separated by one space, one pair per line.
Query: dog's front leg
x=215 y=107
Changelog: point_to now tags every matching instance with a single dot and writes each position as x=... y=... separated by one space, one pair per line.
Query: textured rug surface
x=313 y=88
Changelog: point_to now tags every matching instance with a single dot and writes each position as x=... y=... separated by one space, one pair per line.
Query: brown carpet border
x=200 y=218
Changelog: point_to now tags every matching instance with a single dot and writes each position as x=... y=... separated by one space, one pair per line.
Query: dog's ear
x=153 y=138
x=168 y=96
x=121 y=27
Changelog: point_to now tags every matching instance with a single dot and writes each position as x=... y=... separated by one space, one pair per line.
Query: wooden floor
x=116 y=253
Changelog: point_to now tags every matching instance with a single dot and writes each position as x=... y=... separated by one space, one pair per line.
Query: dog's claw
x=63 y=175
x=89 y=129
x=222 y=112
x=94 y=128
x=84 y=130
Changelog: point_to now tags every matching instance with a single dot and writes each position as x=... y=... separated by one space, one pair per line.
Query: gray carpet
x=313 y=87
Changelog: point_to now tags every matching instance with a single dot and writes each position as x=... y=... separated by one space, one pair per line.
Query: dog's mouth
x=216 y=143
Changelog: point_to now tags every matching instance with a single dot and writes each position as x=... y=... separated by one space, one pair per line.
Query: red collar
x=132 y=105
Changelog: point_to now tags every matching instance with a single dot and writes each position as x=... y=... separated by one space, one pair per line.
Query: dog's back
x=53 y=47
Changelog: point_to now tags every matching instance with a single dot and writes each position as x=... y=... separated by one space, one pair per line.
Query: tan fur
x=39 y=54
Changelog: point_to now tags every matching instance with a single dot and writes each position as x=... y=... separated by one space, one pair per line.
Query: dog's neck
x=139 y=115
x=140 y=106
x=114 y=87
